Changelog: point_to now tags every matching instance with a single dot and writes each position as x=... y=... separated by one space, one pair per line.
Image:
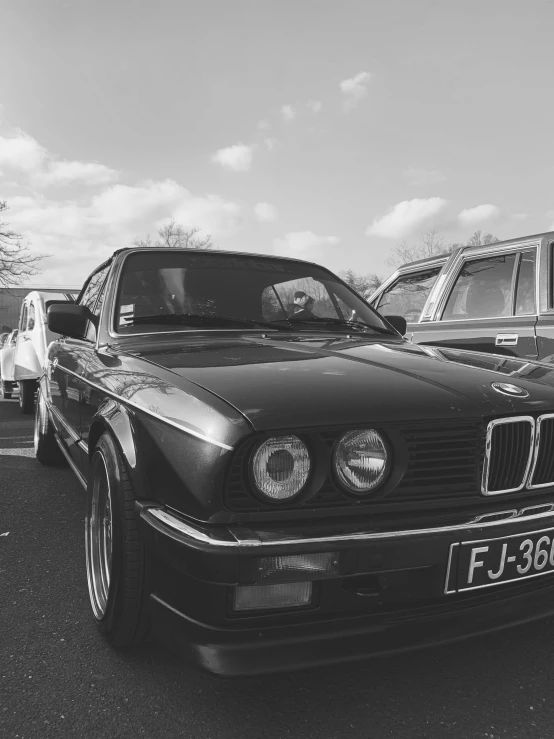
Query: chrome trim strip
x=83 y=445
x=486 y=461
x=71 y=463
x=203 y=535
x=247 y=538
x=536 y=453
x=51 y=407
x=125 y=401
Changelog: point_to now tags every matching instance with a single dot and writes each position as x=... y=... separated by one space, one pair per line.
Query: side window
x=92 y=290
x=23 y=321
x=93 y=297
x=31 y=318
x=483 y=289
x=525 y=291
x=408 y=295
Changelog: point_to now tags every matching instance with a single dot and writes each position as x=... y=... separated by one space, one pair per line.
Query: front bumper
x=389 y=595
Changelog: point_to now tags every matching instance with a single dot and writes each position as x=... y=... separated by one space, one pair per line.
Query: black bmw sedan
x=275 y=478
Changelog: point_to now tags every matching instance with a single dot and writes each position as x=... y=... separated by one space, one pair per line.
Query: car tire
x=27 y=395
x=118 y=571
x=47 y=450
x=6 y=390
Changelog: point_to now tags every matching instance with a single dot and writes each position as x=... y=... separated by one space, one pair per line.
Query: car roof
x=214 y=252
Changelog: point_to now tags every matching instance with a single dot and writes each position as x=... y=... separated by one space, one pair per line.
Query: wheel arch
x=116 y=420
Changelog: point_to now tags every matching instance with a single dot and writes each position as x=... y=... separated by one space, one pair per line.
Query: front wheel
x=117 y=565
x=27 y=395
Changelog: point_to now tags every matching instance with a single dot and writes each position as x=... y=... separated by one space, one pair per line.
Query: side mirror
x=397 y=322
x=68 y=320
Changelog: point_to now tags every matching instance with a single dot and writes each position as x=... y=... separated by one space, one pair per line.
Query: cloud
x=265 y=212
x=354 y=89
x=480 y=213
x=423 y=176
x=22 y=152
x=211 y=213
x=64 y=172
x=237 y=157
x=314 y=106
x=264 y=126
x=300 y=241
x=403 y=218
x=80 y=234
x=270 y=143
x=288 y=113
x=520 y=216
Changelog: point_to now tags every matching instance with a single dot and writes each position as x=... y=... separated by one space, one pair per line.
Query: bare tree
x=17 y=262
x=431 y=244
x=362 y=284
x=175 y=236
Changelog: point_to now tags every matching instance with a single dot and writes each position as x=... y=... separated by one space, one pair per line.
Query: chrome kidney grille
x=519 y=454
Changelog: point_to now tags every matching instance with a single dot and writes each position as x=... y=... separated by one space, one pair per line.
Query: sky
x=324 y=130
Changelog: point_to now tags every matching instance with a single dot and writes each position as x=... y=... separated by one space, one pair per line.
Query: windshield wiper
x=355 y=325
x=196 y=319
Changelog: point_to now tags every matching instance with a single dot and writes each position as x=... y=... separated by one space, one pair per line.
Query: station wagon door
x=407 y=295
x=490 y=305
x=26 y=363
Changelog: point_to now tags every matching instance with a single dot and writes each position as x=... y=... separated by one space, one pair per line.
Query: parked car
x=7 y=365
x=273 y=485
x=496 y=298
x=32 y=340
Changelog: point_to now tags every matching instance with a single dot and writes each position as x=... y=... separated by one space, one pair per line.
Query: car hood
x=292 y=382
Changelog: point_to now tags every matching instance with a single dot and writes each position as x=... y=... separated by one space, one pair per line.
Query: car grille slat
x=544 y=466
x=510 y=448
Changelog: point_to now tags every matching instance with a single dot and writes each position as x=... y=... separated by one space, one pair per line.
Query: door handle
x=506 y=339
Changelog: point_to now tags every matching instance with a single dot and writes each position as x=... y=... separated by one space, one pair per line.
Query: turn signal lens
x=266 y=597
x=299 y=566
x=361 y=460
x=280 y=467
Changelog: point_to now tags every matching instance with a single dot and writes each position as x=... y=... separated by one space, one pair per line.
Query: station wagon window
x=408 y=294
x=23 y=322
x=31 y=318
x=483 y=289
x=525 y=292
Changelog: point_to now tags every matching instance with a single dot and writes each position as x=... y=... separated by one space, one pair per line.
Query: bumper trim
x=243 y=537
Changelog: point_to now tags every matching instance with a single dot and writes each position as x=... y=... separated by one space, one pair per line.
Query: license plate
x=482 y=564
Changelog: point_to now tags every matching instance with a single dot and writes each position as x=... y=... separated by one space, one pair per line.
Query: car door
x=69 y=360
x=407 y=295
x=489 y=306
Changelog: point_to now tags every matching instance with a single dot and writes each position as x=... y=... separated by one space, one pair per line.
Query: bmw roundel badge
x=508 y=389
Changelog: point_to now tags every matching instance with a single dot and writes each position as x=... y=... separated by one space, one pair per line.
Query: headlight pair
x=280 y=466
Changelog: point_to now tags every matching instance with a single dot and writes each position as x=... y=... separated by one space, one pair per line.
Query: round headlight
x=280 y=467
x=361 y=460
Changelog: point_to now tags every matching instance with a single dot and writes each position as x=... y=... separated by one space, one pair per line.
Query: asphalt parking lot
x=59 y=678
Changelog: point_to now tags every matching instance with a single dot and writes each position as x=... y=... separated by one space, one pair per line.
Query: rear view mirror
x=68 y=320
x=397 y=322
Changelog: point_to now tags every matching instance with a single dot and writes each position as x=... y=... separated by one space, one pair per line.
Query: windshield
x=179 y=290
